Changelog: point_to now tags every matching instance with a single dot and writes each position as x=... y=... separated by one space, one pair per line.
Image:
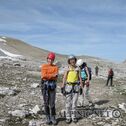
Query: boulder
x=123 y=107
x=19 y=113
x=35 y=110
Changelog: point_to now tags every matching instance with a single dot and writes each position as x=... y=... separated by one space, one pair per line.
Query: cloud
x=91 y=27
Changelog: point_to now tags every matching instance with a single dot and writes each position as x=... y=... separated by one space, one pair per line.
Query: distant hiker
x=110 y=77
x=71 y=85
x=96 y=70
x=49 y=75
x=86 y=76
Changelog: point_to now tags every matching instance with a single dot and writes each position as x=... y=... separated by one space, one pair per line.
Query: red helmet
x=51 y=56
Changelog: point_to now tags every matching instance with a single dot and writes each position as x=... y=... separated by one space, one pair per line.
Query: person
x=49 y=75
x=96 y=70
x=71 y=84
x=110 y=77
x=86 y=77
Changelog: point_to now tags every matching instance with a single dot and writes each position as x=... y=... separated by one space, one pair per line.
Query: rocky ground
x=21 y=103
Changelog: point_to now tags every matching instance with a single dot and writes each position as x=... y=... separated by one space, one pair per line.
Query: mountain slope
x=19 y=47
x=15 y=48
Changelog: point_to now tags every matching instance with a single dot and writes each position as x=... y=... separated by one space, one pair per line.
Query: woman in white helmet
x=71 y=84
x=86 y=77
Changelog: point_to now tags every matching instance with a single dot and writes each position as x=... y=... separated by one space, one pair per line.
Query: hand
x=63 y=91
x=55 y=75
x=81 y=91
x=87 y=81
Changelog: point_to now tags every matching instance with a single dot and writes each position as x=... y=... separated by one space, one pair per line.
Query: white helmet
x=79 y=62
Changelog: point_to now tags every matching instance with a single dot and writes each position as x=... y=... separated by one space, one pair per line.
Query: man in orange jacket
x=49 y=75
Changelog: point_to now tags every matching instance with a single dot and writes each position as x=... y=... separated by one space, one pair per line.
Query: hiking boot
x=53 y=120
x=75 y=120
x=48 y=120
x=68 y=121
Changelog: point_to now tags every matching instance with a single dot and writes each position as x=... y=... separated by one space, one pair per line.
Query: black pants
x=96 y=73
x=110 y=78
x=49 y=100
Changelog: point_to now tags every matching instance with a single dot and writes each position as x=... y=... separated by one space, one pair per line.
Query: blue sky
x=80 y=27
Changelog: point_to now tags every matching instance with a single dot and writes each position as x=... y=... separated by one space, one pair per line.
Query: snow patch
x=3 y=37
x=9 y=54
x=2 y=40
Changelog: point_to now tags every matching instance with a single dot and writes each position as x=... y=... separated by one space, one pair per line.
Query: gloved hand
x=63 y=91
x=42 y=81
x=81 y=91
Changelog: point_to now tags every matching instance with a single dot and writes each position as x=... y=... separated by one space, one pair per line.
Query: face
x=50 y=61
x=72 y=62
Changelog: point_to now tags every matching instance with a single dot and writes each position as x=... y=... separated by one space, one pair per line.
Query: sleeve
x=46 y=75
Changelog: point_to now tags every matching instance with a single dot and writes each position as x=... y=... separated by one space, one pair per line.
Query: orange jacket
x=48 y=71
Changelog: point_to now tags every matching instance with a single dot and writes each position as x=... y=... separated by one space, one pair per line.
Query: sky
x=81 y=27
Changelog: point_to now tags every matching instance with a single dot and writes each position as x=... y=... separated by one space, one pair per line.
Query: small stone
x=36 y=123
x=107 y=124
x=100 y=123
x=35 y=85
x=17 y=64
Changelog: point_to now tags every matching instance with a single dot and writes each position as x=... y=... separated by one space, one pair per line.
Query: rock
x=101 y=123
x=32 y=93
x=97 y=106
x=8 y=91
x=123 y=107
x=21 y=105
x=25 y=79
x=17 y=64
x=35 y=85
x=19 y=113
x=35 y=110
x=92 y=116
x=114 y=123
x=107 y=124
x=36 y=123
x=2 y=120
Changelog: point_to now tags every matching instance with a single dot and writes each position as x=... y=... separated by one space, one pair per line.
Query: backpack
x=84 y=74
x=111 y=73
x=72 y=75
x=90 y=73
